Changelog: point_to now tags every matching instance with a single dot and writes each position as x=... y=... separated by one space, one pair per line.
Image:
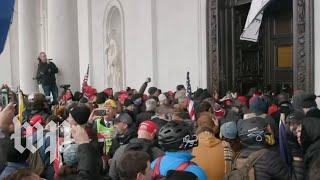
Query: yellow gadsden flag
x=22 y=106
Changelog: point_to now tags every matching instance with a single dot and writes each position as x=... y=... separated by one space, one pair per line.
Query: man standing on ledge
x=46 y=76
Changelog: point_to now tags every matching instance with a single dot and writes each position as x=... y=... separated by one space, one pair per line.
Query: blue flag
x=285 y=152
x=6 y=12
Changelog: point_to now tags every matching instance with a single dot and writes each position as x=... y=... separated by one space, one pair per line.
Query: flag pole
x=85 y=79
x=191 y=109
x=21 y=103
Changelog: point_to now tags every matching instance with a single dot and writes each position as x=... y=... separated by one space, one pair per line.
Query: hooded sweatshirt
x=310 y=137
x=210 y=156
x=205 y=118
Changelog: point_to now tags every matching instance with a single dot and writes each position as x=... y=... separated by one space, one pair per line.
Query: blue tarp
x=6 y=12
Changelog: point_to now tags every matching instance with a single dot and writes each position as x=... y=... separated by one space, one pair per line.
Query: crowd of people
x=148 y=134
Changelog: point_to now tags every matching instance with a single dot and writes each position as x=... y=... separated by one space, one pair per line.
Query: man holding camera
x=46 y=76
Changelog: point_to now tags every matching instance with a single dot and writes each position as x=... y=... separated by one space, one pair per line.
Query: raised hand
x=6 y=116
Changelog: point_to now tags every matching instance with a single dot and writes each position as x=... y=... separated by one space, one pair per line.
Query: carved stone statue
x=114 y=65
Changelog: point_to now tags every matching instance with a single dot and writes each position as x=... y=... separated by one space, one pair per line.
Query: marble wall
x=163 y=39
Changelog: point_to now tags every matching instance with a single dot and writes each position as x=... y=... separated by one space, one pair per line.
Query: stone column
x=317 y=48
x=63 y=45
x=303 y=52
x=213 y=74
x=85 y=37
x=29 y=38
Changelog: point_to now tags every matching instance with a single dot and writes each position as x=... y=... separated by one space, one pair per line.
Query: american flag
x=191 y=110
x=85 y=79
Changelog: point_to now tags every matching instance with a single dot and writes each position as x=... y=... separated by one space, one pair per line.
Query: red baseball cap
x=122 y=97
x=242 y=99
x=108 y=91
x=228 y=101
x=89 y=91
x=36 y=119
x=219 y=113
x=170 y=93
x=148 y=126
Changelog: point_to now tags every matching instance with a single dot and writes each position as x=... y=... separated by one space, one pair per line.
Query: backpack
x=36 y=160
x=36 y=163
x=228 y=156
x=156 y=172
x=243 y=168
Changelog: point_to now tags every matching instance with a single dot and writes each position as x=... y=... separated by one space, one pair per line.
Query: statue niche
x=113 y=50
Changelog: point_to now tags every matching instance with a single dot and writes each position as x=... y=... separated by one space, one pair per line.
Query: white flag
x=254 y=19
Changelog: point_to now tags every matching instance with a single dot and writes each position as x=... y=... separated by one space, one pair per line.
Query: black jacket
x=298 y=171
x=88 y=162
x=310 y=137
x=313 y=113
x=269 y=167
x=122 y=140
x=132 y=114
x=46 y=73
x=3 y=151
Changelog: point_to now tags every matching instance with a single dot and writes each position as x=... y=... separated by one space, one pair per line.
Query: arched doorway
x=283 y=55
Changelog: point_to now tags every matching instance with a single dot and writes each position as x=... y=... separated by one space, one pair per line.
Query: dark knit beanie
x=180 y=87
x=198 y=93
x=204 y=95
x=152 y=90
x=125 y=118
x=83 y=100
x=283 y=98
x=77 y=96
x=80 y=113
x=303 y=100
x=309 y=101
x=101 y=98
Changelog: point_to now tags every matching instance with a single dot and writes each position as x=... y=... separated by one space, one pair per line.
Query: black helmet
x=252 y=131
x=177 y=135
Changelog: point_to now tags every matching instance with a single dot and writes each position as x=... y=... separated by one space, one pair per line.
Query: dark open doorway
x=274 y=61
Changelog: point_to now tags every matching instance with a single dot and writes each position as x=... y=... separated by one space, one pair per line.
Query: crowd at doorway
x=150 y=134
